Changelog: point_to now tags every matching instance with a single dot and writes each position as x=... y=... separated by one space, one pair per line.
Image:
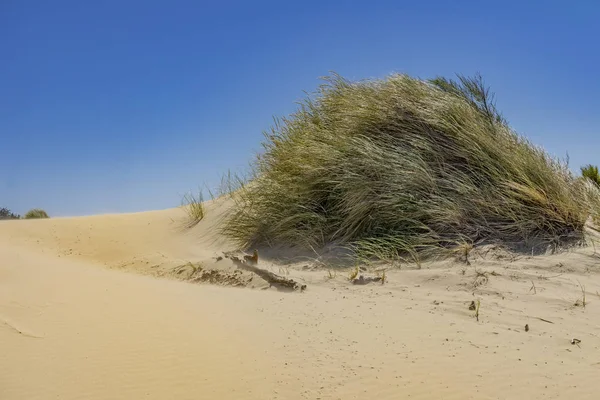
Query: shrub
x=5 y=213
x=36 y=213
x=404 y=166
x=591 y=172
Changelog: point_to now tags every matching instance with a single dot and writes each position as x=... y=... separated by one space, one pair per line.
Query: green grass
x=591 y=172
x=399 y=168
x=193 y=205
x=36 y=213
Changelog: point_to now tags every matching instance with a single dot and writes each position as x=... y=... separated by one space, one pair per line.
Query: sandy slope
x=72 y=327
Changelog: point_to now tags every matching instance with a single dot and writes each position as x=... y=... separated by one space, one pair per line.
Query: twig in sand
x=253 y=259
x=533 y=288
x=477 y=310
x=545 y=320
x=481 y=278
x=362 y=280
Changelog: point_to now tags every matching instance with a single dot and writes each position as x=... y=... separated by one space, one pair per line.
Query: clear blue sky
x=118 y=106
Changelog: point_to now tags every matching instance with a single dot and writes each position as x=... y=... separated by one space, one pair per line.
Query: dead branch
x=272 y=279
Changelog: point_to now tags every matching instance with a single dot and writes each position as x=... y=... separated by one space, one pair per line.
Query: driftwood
x=363 y=281
x=272 y=279
x=253 y=259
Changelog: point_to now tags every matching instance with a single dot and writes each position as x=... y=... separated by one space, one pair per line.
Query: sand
x=99 y=308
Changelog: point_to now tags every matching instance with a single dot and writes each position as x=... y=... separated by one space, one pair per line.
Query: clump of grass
x=581 y=302
x=592 y=193
x=463 y=250
x=193 y=205
x=354 y=273
x=383 y=277
x=36 y=213
x=400 y=168
x=591 y=172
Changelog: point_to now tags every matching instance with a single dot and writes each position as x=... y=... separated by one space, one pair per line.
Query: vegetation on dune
x=592 y=179
x=591 y=172
x=193 y=205
x=36 y=213
x=5 y=213
x=402 y=166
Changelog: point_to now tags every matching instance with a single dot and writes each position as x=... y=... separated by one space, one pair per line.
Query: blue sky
x=119 y=106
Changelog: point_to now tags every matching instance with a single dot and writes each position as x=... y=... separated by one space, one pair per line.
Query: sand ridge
x=74 y=326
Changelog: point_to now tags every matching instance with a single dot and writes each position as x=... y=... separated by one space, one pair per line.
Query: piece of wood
x=272 y=279
x=361 y=280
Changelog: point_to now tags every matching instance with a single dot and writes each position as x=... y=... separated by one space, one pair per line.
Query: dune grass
x=193 y=205
x=36 y=213
x=591 y=172
x=401 y=167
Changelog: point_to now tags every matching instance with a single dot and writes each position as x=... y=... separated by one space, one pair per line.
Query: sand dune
x=73 y=325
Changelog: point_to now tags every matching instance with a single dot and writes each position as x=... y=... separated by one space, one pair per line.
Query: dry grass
x=581 y=302
x=354 y=273
x=193 y=205
x=331 y=274
x=400 y=168
x=36 y=213
x=383 y=277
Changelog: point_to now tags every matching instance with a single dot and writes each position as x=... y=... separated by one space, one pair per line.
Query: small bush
x=402 y=166
x=36 y=213
x=5 y=213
